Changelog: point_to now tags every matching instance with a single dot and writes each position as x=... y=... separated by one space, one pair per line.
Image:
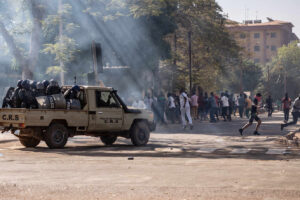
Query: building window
x=256 y=60
x=256 y=48
x=242 y=35
x=273 y=48
x=273 y=35
x=256 y=35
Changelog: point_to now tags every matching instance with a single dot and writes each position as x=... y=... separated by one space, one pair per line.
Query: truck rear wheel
x=108 y=139
x=29 y=141
x=140 y=133
x=56 y=136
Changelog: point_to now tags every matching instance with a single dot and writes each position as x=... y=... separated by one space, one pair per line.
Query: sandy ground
x=210 y=162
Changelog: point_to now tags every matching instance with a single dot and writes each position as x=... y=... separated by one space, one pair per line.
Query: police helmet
x=45 y=83
x=53 y=82
x=33 y=84
x=40 y=86
x=25 y=84
x=76 y=88
x=19 y=84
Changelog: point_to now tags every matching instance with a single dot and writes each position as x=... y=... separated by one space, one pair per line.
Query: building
x=261 y=40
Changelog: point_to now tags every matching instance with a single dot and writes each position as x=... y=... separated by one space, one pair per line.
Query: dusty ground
x=210 y=162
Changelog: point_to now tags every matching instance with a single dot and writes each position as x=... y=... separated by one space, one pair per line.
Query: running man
x=254 y=115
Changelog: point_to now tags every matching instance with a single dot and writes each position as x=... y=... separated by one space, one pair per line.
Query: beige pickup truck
x=103 y=115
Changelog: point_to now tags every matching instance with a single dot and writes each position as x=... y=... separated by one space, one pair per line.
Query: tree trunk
x=35 y=41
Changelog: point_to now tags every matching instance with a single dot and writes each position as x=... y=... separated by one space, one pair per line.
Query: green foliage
x=286 y=63
x=54 y=70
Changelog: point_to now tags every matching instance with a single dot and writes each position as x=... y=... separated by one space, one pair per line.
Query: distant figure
x=254 y=115
x=212 y=107
x=185 y=109
x=269 y=102
x=171 y=108
x=194 y=102
x=286 y=102
x=295 y=113
x=201 y=107
x=225 y=107
x=161 y=101
x=241 y=101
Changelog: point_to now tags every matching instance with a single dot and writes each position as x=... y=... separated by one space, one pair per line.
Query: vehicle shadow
x=257 y=152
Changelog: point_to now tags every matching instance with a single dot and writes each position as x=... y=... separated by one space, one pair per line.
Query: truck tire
x=56 y=136
x=140 y=133
x=108 y=139
x=29 y=141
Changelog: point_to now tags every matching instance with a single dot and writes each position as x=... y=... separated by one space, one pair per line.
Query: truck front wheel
x=140 y=133
x=56 y=136
x=108 y=139
x=29 y=141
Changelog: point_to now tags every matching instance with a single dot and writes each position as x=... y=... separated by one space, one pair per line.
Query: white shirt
x=225 y=102
x=181 y=98
x=171 y=102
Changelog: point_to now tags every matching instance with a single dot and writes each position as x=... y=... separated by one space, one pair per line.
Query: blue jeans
x=212 y=113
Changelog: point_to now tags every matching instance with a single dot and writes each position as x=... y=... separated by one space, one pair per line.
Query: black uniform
x=254 y=111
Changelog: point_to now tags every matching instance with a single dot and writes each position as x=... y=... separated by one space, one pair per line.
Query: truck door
x=106 y=112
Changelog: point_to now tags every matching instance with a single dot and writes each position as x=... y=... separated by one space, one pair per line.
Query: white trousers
x=186 y=112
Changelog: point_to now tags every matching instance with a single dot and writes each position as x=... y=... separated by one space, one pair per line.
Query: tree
x=284 y=72
x=27 y=63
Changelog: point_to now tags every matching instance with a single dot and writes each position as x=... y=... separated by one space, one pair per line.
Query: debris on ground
x=291 y=139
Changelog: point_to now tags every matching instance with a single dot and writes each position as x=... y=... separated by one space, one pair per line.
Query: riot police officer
x=26 y=95
x=40 y=89
x=15 y=99
x=53 y=88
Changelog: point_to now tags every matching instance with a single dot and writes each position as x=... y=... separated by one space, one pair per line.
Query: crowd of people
x=183 y=108
x=27 y=91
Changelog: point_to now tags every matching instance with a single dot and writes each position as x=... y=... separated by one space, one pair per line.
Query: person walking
x=254 y=115
x=269 y=102
x=213 y=107
x=185 y=109
x=206 y=105
x=171 y=107
x=161 y=100
x=248 y=104
x=295 y=113
x=241 y=101
x=236 y=105
x=201 y=107
x=194 y=102
x=286 y=102
x=225 y=107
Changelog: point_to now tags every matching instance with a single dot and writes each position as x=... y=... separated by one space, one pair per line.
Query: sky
x=284 y=10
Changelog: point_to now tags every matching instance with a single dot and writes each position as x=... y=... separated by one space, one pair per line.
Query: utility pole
x=190 y=59
x=95 y=63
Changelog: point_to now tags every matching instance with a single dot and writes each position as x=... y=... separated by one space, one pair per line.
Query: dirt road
x=210 y=162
